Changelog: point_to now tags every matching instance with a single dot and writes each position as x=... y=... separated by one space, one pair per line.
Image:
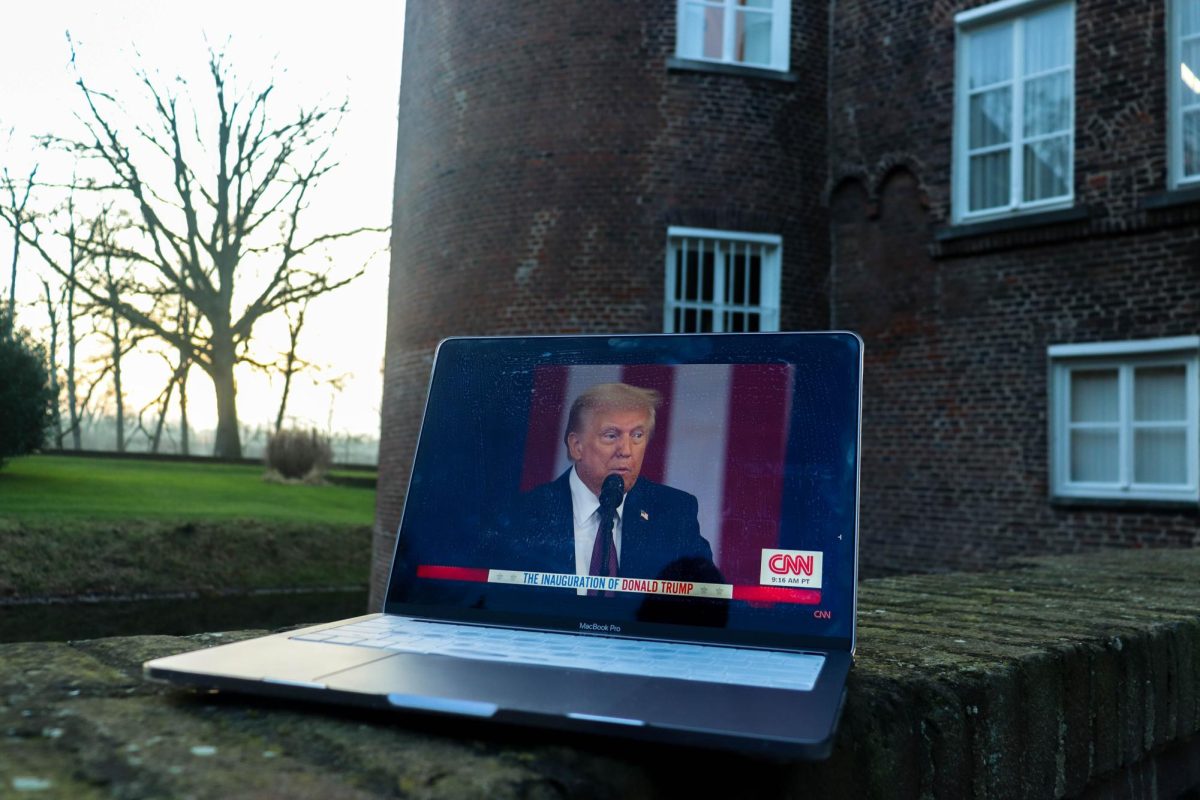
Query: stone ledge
x=1066 y=676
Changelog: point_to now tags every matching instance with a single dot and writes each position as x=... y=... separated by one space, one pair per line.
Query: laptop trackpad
x=481 y=688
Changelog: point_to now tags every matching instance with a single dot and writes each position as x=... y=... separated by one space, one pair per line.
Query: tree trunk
x=12 y=286
x=183 y=417
x=156 y=439
x=116 y=364
x=287 y=385
x=229 y=440
x=72 y=400
x=52 y=358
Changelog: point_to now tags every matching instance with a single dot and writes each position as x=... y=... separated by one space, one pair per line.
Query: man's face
x=610 y=441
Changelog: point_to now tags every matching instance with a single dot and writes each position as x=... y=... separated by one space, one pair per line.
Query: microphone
x=611 y=492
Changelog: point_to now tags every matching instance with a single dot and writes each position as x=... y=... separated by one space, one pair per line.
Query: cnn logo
x=799 y=568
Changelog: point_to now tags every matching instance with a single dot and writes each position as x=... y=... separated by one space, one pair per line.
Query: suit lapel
x=634 y=522
x=562 y=521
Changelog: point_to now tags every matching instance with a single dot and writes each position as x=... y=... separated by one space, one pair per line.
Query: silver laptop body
x=687 y=575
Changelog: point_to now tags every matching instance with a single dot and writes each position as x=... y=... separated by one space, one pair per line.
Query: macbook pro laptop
x=645 y=536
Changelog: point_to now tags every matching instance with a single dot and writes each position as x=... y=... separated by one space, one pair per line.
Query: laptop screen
x=701 y=487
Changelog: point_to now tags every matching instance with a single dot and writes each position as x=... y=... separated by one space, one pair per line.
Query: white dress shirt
x=585 y=509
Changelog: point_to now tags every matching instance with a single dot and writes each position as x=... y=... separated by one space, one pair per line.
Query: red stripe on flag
x=776 y=594
x=759 y=404
x=452 y=573
x=660 y=378
x=544 y=436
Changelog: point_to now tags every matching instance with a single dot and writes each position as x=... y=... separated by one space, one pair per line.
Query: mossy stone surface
x=1050 y=678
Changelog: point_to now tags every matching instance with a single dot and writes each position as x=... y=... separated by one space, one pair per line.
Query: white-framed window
x=1014 y=127
x=1125 y=420
x=752 y=33
x=1183 y=80
x=721 y=281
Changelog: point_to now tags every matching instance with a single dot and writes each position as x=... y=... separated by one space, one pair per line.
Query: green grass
x=81 y=526
x=38 y=487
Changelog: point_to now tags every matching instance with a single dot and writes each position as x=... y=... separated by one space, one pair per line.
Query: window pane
x=691 y=275
x=735 y=286
x=1160 y=394
x=989 y=181
x=706 y=320
x=1094 y=456
x=1047 y=164
x=990 y=56
x=1191 y=143
x=703 y=31
x=753 y=34
x=1189 y=75
x=705 y=289
x=1048 y=104
x=754 y=265
x=1160 y=456
x=763 y=4
x=991 y=118
x=689 y=320
x=677 y=294
x=1048 y=40
x=1094 y=395
x=752 y=322
x=1189 y=17
x=737 y=322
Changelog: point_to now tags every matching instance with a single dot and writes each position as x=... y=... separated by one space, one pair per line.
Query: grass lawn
x=36 y=487
x=74 y=526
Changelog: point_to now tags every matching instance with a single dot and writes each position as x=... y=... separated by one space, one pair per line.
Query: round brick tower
x=544 y=152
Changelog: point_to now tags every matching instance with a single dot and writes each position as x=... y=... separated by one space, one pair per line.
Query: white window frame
x=1175 y=178
x=781 y=39
x=1124 y=357
x=768 y=281
x=975 y=20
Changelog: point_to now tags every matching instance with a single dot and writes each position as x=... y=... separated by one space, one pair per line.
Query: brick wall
x=541 y=159
x=955 y=427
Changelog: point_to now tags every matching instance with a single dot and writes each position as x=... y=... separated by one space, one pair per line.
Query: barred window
x=721 y=281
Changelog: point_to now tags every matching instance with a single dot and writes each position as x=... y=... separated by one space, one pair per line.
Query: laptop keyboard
x=693 y=662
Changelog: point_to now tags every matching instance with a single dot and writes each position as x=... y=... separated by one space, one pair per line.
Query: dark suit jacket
x=658 y=529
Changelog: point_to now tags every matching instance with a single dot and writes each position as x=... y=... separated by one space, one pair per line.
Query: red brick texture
x=955 y=417
x=542 y=155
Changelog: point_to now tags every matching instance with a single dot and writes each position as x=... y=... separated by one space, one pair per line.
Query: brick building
x=1002 y=198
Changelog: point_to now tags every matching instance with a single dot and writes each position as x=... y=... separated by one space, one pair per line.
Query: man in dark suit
x=633 y=527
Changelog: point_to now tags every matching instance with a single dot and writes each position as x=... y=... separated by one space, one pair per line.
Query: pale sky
x=318 y=53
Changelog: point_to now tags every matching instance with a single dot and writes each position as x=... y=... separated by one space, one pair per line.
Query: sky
x=316 y=53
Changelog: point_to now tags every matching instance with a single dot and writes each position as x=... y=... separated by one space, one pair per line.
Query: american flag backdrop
x=721 y=434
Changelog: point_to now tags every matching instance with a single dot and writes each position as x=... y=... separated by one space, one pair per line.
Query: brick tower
x=550 y=165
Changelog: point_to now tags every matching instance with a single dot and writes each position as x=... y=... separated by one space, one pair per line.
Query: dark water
x=60 y=621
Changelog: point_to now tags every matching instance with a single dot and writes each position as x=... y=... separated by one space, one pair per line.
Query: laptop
x=642 y=536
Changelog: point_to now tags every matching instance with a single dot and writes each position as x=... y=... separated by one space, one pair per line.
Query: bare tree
x=291 y=362
x=61 y=223
x=109 y=324
x=224 y=231
x=16 y=217
x=52 y=307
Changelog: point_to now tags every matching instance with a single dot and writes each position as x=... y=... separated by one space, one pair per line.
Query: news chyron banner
x=599 y=583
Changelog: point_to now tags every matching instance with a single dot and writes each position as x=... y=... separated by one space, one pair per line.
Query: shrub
x=26 y=400
x=294 y=453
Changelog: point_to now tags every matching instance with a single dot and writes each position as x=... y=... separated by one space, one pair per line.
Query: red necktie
x=604 y=551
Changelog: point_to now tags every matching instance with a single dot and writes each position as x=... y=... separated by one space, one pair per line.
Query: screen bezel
x=742 y=348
